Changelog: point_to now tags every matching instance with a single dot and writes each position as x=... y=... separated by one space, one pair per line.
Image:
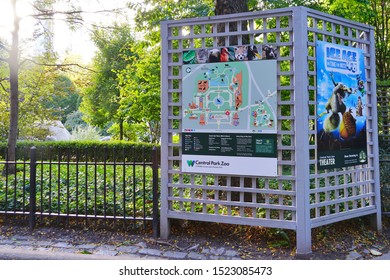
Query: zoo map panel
x=230 y=97
x=229 y=118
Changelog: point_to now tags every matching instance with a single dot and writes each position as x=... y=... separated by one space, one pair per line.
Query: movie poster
x=341 y=106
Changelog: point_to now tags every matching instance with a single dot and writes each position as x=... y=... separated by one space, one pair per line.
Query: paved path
x=383 y=257
x=28 y=247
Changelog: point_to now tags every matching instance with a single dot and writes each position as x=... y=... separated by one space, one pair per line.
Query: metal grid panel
x=239 y=200
x=301 y=196
x=345 y=193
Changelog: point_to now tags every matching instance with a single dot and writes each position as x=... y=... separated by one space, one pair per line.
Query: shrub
x=83 y=151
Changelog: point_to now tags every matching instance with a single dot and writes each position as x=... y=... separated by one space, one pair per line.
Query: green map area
x=230 y=97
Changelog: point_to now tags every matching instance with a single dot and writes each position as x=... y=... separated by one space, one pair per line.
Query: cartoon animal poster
x=341 y=106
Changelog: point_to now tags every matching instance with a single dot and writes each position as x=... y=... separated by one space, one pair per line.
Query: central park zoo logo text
x=192 y=163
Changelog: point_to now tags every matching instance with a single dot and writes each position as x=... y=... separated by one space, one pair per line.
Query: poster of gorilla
x=341 y=106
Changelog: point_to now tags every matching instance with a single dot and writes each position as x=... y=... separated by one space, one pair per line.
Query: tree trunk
x=14 y=92
x=225 y=7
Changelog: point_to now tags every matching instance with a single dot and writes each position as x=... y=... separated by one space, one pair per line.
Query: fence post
x=155 y=223
x=33 y=173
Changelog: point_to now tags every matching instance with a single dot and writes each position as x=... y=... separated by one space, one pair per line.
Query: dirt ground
x=331 y=242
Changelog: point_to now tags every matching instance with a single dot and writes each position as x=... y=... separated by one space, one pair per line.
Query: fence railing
x=383 y=97
x=87 y=184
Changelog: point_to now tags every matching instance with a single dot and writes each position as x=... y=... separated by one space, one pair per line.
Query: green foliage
x=150 y=13
x=65 y=101
x=357 y=10
x=36 y=87
x=276 y=4
x=384 y=83
x=139 y=85
x=101 y=98
x=279 y=238
x=375 y=13
x=83 y=150
x=131 y=131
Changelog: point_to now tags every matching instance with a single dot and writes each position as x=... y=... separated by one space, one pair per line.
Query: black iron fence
x=83 y=184
x=383 y=97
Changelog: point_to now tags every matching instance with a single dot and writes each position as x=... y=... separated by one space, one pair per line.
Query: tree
x=44 y=13
x=101 y=99
x=225 y=7
x=139 y=87
x=65 y=101
x=140 y=81
x=149 y=14
x=13 y=63
x=373 y=12
x=36 y=85
x=381 y=22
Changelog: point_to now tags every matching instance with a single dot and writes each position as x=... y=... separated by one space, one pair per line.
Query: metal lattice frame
x=300 y=197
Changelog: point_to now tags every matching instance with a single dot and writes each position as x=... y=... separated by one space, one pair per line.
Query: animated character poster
x=341 y=106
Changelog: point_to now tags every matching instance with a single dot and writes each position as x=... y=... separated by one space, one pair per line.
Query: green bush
x=83 y=151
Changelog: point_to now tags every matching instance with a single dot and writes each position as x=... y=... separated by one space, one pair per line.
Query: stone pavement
x=28 y=247
x=25 y=246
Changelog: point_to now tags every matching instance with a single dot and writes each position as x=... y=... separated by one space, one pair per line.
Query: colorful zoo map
x=230 y=97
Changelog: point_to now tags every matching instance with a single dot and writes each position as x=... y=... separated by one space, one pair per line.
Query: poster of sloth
x=341 y=106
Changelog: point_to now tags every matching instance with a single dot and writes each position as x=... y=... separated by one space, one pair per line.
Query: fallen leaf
x=375 y=252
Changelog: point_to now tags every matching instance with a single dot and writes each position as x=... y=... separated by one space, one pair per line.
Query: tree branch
x=58 y=66
x=4 y=60
x=49 y=14
x=2 y=86
x=4 y=47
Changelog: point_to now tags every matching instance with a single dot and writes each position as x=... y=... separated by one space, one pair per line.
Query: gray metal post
x=301 y=101
x=164 y=222
x=378 y=221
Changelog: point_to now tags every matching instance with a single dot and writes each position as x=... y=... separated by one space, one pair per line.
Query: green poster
x=229 y=115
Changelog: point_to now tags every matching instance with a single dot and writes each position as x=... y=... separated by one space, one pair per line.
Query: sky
x=65 y=41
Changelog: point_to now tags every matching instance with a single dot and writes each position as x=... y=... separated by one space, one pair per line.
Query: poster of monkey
x=341 y=106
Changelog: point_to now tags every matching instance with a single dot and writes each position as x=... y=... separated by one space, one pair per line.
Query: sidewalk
x=383 y=257
x=28 y=247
